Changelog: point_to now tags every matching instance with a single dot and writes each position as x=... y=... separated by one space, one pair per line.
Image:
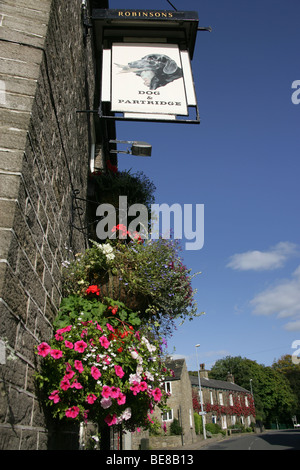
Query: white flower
x=134 y=378
x=126 y=414
x=149 y=375
x=106 y=403
x=149 y=346
x=134 y=355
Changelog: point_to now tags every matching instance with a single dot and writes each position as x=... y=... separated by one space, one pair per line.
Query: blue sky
x=243 y=163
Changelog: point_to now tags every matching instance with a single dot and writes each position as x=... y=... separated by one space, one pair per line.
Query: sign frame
x=155 y=31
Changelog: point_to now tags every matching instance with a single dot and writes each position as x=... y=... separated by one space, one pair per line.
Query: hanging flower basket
x=113 y=286
x=148 y=277
x=99 y=368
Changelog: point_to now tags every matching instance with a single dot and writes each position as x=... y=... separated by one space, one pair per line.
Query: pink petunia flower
x=110 y=328
x=106 y=391
x=80 y=346
x=56 y=353
x=78 y=366
x=68 y=344
x=76 y=385
x=69 y=373
x=64 y=330
x=54 y=396
x=111 y=420
x=119 y=371
x=114 y=392
x=95 y=372
x=156 y=393
x=72 y=412
x=65 y=383
x=104 y=342
x=135 y=388
x=91 y=398
x=143 y=386
x=121 y=399
x=43 y=349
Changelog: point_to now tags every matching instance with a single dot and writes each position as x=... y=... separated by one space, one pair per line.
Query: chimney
x=203 y=372
x=230 y=377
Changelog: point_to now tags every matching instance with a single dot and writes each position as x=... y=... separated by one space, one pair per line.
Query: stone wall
x=47 y=73
x=180 y=403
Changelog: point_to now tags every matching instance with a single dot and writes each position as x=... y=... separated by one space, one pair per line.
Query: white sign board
x=147 y=80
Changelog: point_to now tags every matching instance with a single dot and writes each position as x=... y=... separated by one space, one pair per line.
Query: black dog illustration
x=157 y=70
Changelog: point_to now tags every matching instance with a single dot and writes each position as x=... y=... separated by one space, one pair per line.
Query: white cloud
x=263 y=260
x=282 y=300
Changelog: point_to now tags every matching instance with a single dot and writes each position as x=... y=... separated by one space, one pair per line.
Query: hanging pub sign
x=146 y=69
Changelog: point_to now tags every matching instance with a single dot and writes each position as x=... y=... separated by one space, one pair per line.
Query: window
x=233 y=420
x=246 y=401
x=221 y=398
x=230 y=400
x=168 y=387
x=167 y=416
x=211 y=397
x=214 y=419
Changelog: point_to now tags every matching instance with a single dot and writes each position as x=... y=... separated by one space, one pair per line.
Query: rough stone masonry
x=47 y=72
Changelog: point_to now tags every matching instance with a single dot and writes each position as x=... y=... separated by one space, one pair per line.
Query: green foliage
x=198 y=423
x=175 y=428
x=214 y=428
x=138 y=188
x=155 y=428
x=291 y=372
x=87 y=309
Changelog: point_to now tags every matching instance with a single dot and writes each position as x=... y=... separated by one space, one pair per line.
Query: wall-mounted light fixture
x=138 y=148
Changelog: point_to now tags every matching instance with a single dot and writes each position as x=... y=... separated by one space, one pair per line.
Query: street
x=288 y=439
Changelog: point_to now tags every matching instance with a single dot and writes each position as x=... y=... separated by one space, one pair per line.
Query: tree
x=291 y=372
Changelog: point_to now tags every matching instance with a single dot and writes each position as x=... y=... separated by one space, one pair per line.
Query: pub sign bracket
x=144 y=61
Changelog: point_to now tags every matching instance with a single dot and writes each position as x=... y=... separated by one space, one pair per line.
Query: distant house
x=224 y=402
x=180 y=401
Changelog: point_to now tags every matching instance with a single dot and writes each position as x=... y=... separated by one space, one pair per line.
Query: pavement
x=199 y=443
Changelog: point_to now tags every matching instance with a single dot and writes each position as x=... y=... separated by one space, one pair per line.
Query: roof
x=219 y=384
x=176 y=365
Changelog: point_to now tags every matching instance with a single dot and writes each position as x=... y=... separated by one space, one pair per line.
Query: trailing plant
x=99 y=368
x=150 y=271
x=110 y=184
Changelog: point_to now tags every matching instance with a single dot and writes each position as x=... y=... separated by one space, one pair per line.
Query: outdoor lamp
x=138 y=148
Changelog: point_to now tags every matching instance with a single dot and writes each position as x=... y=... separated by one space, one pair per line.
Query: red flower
x=111 y=167
x=113 y=310
x=93 y=290
x=122 y=228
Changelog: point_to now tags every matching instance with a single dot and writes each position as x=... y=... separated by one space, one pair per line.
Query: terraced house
x=224 y=402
